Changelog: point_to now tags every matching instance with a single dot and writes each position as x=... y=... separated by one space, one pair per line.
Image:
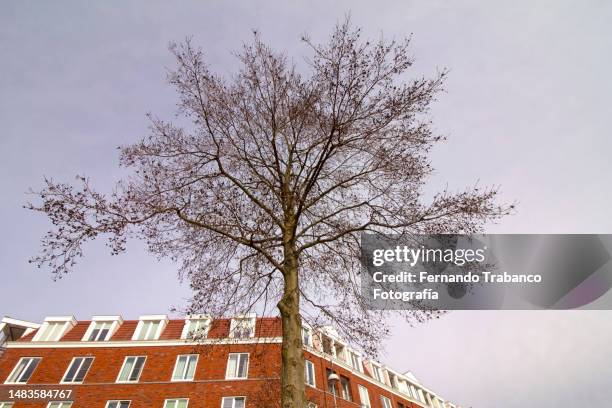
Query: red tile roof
x=77 y=332
x=268 y=327
x=173 y=330
x=28 y=337
x=125 y=331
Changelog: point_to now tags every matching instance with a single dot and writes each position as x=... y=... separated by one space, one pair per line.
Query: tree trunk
x=292 y=372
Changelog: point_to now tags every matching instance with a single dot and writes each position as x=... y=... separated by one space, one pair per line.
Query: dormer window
x=327 y=345
x=242 y=327
x=100 y=331
x=54 y=328
x=377 y=373
x=196 y=327
x=393 y=380
x=339 y=351
x=306 y=336
x=355 y=361
x=421 y=396
x=102 y=328
x=150 y=327
x=51 y=331
x=404 y=387
x=13 y=329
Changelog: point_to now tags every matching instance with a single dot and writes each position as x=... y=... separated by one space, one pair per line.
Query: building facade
x=195 y=362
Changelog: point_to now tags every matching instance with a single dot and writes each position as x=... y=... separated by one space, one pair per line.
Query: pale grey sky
x=527 y=108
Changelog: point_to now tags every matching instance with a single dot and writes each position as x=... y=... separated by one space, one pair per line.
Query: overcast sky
x=527 y=108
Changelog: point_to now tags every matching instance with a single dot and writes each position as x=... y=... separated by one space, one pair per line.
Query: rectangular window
x=355 y=361
x=421 y=396
x=392 y=380
x=51 y=331
x=326 y=344
x=23 y=370
x=339 y=351
x=331 y=387
x=118 y=404
x=309 y=373
x=345 y=387
x=100 y=331
x=184 y=368
x=385 y=402
x=233 y=402
x=77 y=370
x=415 y=392
x=196 y=328
x=132 y=367
x=60 y=404
x=237 y=365
x=176 y=403
x=404 y=388
x=6 y=405
x=376 y=371
x=306 y=336
x=364 y=397
x=242 y=327
x=148 y=330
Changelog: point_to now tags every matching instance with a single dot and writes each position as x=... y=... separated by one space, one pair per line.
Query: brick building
x=195 y=362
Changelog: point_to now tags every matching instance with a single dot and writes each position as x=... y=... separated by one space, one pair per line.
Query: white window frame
x=203 y=330
x=123 y=365
x=421 y=395
x=236 y=322
x=63 y=381
x=362 y=403
x=327 y=339
x=345 y=393
x=64 y=323
x=167 y=400
x=308 y=363
x=197 y=358
x=414 y=391
x=233 y=400
x=6 y=404
x=163 y=321
x=355 y=359
x=233 y=375
x=62 y=404
x=115 y=322
x=118 y=401
x=393 y=380
x=343 y=350
x=385 y=402
x=8 y=322
x=307 y=333
x=13 y=371
x=377 y=373
x=404 y=387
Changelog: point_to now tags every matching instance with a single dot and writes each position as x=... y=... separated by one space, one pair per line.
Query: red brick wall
x=154 y=385
x=262 y=388
x=326 y=400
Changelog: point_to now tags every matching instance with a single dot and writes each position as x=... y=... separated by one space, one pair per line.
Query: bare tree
x=262 y=198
